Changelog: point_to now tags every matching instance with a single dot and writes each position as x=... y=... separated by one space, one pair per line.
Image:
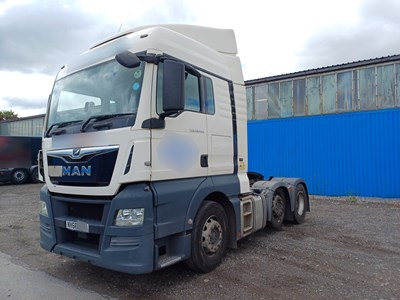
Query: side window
x=209 y=97
x=192 y=93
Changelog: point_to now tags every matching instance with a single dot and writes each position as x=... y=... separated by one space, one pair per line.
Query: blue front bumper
x=123 y=249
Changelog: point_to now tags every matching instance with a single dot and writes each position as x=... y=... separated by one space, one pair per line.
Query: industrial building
x=29 y=126
x=338 y=127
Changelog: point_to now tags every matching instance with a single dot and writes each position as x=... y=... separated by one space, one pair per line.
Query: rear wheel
x=19 y=176
x=278 y=210
x=299 y=213
x=209 y=237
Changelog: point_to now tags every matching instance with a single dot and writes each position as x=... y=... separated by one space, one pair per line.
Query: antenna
x=120 y=26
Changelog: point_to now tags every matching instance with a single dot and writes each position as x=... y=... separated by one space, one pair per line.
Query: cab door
x=179 y=149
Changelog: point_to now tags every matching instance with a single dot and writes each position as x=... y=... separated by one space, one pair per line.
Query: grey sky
x=277 y=37
x=37 y=38
x=40 y=36
x=375 y=33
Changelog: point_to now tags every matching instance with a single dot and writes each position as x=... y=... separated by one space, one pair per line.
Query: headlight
x=43 y=209
x=129 y=217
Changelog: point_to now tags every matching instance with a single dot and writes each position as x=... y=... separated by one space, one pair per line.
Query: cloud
x=38 y=37
x=373 y=34
x=24 y=92
x=25 y=103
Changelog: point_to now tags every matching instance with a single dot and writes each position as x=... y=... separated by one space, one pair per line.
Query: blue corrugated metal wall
x=338 y=155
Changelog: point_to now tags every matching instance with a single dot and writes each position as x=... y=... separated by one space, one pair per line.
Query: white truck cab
x=145 y=154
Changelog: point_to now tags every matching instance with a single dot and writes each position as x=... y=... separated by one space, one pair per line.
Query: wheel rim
x=19 y=176
x=212 y=235
x=300 y=203
x=277 y=207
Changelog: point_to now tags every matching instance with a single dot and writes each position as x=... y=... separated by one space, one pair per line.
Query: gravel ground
x=348 y=248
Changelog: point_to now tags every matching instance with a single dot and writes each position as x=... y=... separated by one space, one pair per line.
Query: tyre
x=299 y=213
x=278 y=210
x=209 y=237
x=19 y=176
x=35 y=176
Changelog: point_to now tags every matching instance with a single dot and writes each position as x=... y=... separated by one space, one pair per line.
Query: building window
x=285 y=97
x=385 y=86
x=299 y=97
x=344 y=92
x=356 y=102
x=313 y=95
x=274 y=108
x=397 y=85
x=328 y=94
x=261 y=102
x=367 y=88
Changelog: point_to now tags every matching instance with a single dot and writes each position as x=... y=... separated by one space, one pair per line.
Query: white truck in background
x=144 y=154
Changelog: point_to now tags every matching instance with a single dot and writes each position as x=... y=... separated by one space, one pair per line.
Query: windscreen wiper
x=60 y=125
x=103 y=117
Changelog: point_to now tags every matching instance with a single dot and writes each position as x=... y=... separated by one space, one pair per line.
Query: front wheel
x=209 y=237
x=299 y=213
x=19 y=176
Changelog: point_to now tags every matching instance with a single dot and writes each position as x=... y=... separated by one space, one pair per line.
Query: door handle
x=204 y=160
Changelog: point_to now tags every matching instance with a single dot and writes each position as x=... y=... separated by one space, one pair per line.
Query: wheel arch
x=291 y=184
x=228 y=207
x=288 y=187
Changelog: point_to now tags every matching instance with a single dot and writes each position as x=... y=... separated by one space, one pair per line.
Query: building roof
x=334 y=68
x=23 y=118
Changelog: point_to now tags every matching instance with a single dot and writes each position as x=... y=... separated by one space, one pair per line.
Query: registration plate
x=77 y=226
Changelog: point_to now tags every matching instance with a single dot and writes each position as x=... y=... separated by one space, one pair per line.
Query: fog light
x=43 y=208
x=129 y=217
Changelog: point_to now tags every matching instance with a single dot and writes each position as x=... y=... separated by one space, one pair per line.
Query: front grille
x=94 y=167
x=77 y=208
x=85 y=210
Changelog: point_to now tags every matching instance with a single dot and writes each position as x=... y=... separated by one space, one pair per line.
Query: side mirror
x=173 y=87
x=128 y=59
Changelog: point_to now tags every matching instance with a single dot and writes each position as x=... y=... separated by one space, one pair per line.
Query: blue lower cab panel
x=134 y=255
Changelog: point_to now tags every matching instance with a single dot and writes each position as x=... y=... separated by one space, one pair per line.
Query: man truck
x=18 y=159
x=145 y=154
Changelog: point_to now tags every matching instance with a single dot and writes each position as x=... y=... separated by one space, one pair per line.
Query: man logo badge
x=76 y=152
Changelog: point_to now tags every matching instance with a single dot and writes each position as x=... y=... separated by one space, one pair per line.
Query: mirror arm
x=167 y=114
x=150 y=58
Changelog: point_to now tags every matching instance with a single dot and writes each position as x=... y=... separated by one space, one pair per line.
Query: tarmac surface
x=18 y=282
x=348 y=248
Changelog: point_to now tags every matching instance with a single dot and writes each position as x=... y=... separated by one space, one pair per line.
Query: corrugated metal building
x=338 y=127
x=29 y=126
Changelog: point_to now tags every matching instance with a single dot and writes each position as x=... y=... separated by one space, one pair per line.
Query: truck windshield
x=105 y=89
